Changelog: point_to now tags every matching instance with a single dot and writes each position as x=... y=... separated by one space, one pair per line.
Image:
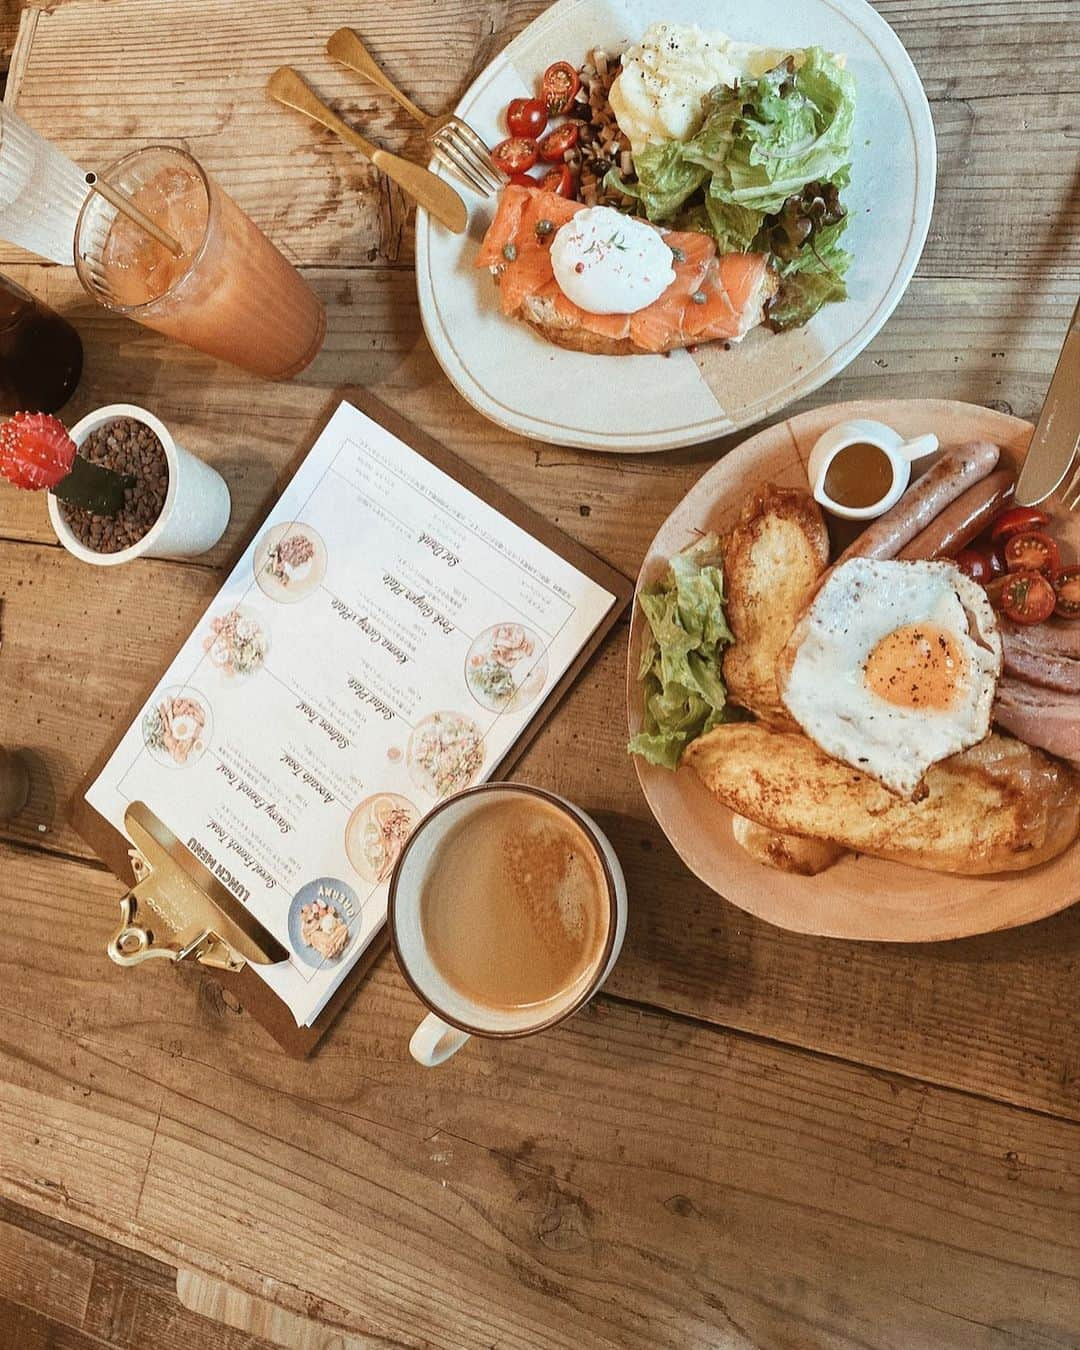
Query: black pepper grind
x=40 y=353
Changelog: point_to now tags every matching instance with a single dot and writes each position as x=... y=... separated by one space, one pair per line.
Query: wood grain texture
x=635 y=1178
x=962 y=340
x=979 y=1014
x=1006 y=177
x=43 y=1274
x=263 y=1315
x=62 y=1287
x=628 y=1180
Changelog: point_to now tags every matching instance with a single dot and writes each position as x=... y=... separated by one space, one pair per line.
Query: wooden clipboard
x=115 y=849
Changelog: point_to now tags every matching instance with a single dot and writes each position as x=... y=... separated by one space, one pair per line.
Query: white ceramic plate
x=643 y=403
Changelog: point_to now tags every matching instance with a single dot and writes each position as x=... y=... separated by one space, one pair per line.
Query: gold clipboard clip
x=178 y=910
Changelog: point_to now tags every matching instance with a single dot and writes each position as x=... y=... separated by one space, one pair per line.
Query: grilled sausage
x=956 y=471
x=959 y=523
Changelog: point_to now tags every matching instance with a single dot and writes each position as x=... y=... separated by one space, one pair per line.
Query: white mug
x=901 y=455
x=454 y=1017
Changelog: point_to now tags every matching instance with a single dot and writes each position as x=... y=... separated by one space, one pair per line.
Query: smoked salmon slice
x=505 y=226
x=711 y=298
x=730 y=289
x=659 y=326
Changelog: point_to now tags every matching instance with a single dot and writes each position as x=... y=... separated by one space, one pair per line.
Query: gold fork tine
x=477 y=146
x=481 y=166
x=1071 y=495
x=450 y=156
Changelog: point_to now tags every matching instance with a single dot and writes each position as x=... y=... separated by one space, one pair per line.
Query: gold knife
x=1057 y=437
x=428 y=191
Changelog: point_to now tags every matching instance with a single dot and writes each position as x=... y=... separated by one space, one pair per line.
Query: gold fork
x=1071 y=495
x=452 y=140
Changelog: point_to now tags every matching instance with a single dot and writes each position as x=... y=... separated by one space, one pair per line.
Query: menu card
x=382 y=643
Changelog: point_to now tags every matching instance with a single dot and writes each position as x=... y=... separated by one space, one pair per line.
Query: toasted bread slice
x=540 y=313
x=772 y=561
x=785 y=852
x=998 y=807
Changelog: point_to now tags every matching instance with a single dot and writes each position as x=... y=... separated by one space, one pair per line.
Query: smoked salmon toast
x=711 y=298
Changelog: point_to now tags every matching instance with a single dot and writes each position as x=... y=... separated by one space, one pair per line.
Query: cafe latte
x=515 y=907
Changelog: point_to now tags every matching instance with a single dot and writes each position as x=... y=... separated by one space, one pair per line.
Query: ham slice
x=1046 y=718
x=1046 y=654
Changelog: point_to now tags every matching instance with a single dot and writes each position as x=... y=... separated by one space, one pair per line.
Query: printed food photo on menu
x=540 y=674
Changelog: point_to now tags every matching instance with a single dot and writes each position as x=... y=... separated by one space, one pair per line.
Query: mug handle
x=434 y=1041
x=918 y=448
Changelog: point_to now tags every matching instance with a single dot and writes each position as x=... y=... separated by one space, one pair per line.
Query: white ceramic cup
x=901 y=455
x=454 y=1017
x=197 y=505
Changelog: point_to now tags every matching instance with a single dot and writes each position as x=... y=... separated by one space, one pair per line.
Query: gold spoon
x=287 y=87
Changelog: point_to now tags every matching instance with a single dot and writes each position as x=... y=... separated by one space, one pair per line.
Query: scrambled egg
x=658 y=93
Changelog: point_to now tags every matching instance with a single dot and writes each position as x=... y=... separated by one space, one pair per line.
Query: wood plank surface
x=62 y=1288
x=753 y=1138
x=979 y=1013
x=628 y=1179
x=261 y=1314
x=1013 y=211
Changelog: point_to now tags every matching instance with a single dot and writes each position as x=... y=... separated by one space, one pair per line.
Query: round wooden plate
x=859 y=897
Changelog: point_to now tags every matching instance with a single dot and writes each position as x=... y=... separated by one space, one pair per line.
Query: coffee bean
x=131 y=448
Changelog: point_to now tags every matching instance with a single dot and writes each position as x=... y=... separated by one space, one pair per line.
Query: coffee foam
x=515 y=910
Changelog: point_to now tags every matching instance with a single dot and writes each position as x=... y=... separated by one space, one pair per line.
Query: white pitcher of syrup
x=860 y=469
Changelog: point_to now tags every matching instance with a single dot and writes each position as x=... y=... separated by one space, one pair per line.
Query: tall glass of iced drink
x=230 y=293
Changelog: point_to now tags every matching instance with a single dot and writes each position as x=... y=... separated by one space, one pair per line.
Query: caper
x=544 y=228
x=509 y=252
x=699 y=297
x=678 y=254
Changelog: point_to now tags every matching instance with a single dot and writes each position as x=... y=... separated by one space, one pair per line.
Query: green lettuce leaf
x=734 y=227
x=795 y=126
x=680 y=660
x=665 y=179
x=813 y=274
x=801 y=296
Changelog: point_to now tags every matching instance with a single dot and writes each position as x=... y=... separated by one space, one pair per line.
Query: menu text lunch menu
x=383 y=642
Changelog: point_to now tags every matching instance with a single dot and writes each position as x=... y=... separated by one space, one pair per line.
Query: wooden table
x=752 y=1138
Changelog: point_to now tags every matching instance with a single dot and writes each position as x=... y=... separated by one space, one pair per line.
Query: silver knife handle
x=1057 y=437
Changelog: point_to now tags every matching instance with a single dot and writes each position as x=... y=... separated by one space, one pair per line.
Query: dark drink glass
x=40 y=353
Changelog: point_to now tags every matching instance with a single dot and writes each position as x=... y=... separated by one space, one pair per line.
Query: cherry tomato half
x=558 y=87
x=515 y=154
x=1017 y=518
x=1067 y=588
x=1032 y=551
x=976 y=564
x=560 y=181
x=1027 y=597
x=526 y=117
x=556 y=143
x=524 y=180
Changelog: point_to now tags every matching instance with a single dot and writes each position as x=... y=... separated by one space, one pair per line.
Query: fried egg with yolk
x=893 y=666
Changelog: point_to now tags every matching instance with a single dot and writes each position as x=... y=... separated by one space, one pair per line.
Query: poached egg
x=893 y=667
x=608 y=263
x=664 y=78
